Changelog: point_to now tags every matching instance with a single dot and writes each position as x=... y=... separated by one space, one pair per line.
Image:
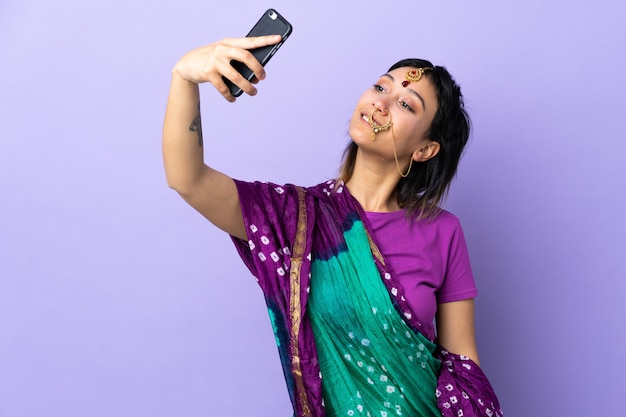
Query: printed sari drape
x=289 y=227
x=372 y=362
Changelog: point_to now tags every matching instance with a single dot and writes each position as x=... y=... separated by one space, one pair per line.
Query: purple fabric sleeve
x=270 y=214
x=458 y=283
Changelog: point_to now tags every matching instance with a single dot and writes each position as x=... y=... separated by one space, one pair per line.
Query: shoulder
x=326 y=188
x=255 y=186
x=445 y=218
x=443 y=221
x=269 y=193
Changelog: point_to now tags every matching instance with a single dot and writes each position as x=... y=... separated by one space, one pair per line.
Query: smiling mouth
x=376 y=127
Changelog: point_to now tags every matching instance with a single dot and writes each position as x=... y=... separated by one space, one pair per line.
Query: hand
x=209 y=63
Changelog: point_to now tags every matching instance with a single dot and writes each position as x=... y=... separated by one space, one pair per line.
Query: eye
x=407 y=106
x=379 y=88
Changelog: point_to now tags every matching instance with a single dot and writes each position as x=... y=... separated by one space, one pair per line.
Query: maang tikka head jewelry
x=414 y=75
x=376 y=128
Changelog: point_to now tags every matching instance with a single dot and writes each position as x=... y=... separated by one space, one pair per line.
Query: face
x=412 y=109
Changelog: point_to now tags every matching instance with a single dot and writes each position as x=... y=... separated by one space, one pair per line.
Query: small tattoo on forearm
x=196 y=126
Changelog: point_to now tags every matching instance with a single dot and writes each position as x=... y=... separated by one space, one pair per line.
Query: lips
x=371 y=122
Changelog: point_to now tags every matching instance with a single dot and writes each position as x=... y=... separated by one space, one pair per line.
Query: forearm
x=212 y=193
x=182 y=135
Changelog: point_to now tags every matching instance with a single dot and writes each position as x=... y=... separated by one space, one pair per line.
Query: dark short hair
x=426 y=186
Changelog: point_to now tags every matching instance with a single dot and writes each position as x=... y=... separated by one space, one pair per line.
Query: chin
x=357 y=135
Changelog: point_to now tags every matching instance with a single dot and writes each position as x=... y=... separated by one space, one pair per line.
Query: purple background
x=117 y=299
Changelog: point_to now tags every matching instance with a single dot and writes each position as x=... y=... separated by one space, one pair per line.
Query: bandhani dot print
x=377 y=374
x=363 y=354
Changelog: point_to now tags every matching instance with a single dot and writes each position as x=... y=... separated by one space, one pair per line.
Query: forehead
x=424 y=87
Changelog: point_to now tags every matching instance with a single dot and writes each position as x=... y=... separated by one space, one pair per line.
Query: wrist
x=178 y=77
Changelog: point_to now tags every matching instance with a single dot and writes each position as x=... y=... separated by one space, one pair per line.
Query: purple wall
x=116 y=299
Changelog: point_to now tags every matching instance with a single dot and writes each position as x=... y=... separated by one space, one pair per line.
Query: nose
x=380 y=105
x=379 y=109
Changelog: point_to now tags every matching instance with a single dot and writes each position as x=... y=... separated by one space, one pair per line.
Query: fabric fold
x=275 y=218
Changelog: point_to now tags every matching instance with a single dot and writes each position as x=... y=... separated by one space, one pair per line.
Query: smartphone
x=271 y=23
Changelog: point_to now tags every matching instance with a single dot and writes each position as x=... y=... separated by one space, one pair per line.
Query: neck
x=373 y=184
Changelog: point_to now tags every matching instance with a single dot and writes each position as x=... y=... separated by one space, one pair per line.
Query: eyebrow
x=410 y=89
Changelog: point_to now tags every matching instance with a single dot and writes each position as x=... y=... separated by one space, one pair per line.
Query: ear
x=426 y=152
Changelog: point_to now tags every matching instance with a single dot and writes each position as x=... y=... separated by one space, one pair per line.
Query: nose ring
x=376 y=128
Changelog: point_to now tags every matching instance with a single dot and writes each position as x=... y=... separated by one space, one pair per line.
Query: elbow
x=180 y=185
x=171 y=183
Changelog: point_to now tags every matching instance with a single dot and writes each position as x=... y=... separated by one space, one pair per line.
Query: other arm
x=455 y=328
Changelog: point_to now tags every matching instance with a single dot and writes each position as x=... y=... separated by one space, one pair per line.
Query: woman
x=353 y=270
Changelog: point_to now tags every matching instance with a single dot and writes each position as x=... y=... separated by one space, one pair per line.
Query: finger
x=253 y=41
x=216 y=78
x=246 y=57
x=236 y=78
x=223 y=89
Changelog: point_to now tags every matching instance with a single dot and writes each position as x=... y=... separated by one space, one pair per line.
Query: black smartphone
x=271 y=23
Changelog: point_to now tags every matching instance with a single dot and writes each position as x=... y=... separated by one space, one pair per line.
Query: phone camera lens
x=273 y=15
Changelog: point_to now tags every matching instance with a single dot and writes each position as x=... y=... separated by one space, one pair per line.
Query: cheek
x=412 y=137
x=409 y=129
x=357 y=129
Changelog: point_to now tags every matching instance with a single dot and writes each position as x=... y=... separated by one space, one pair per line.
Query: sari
x=290 y=229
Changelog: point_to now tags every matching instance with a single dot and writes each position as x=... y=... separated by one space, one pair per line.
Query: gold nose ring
x=376 y=128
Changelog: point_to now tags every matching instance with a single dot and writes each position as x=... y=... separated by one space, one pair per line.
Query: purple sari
x=287 y=227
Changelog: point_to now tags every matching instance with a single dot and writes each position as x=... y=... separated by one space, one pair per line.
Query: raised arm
x=210 y=192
